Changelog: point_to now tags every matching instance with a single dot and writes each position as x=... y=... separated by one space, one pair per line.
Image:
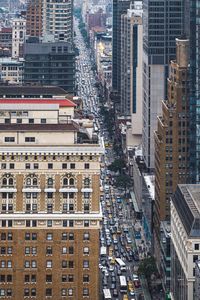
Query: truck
x=103 y=251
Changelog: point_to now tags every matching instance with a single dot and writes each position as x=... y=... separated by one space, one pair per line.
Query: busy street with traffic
x=119 y=257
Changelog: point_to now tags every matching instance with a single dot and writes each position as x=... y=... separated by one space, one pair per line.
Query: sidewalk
x=145 y=289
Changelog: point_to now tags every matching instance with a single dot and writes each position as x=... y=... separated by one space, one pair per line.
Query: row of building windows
x=33 y=293
x=45 y=157
x=36 y=166
x=49 y=237
x=33 y=223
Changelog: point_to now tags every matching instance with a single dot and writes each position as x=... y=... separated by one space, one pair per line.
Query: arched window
x=10 y=181
x=34 y=181
x=28 y=181
x=4 y=181
x=71 y=181
x=87 y=182
x=65 y=181
x=50 y=181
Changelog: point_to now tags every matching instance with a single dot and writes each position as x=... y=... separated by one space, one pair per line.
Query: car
x=113 y=286
x=115 y=293
x=119 y=272
x=132 y=293
x=125 y=297
x=111 y=268
x=113 y=279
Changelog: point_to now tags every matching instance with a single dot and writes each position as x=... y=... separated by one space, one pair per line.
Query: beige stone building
x=49 y=202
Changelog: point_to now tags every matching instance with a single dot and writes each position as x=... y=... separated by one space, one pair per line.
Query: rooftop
x=39 y=127
x=62 y=102
x=187 y=202
x=18 y=91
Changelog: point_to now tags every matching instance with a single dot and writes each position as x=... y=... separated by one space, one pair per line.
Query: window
x=19 y=121
x=9 y=250
x=31 y=121
x=70 y=292
x=64 y=236
x=3 y=166
x=27 y=236
x=196 y=246
x=10 y=236
x=64 y=166
x=49 y=250
x=33 y=264
x=86 y=223
x=86 y=250
x=27 y=166
x=64 y=250
x=71 y=264
x=49 y=223
x=71 y=250
x=12 y=166
x=27 y=264
x=85 y=292
x=50 y=181
x=49 y=208
x=33 y=292
x=49 y=264
x=64 y=292
x=49 y=236
x=26 y=292
x=3 y=250
x=87 y=166
x=2 y=278
x=71 y=236
x=43 y=121
x=26 y=278
x=64 y=278
x=64 y=264
x=65 y=181
x=3 y=236
x=71 y=181
x=86 y=236
x=9 y=139
x=29 y=139
x=27 y=250
x=86 y=264
x=71 y=223
x=86 y=278
x=50 y=195
x=49 y=278
x=9 y=278
x=72 y=166
x=86 y=182
x=71 y=278
x=34 y=250
x=64 y=223
x=195 y=258
x=50 y=166
x=35 y=166
x=34 y=236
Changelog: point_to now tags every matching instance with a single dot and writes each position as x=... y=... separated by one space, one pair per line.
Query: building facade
x=119 y=7
x=34 y=18
x=185 y=240
x=162 y=24
x=50 y=64
x=131 y=66
x=171 y=140
x=50 y=213
x=57 y=20
x=11 y=70
x=197 y=280
x=18 y=37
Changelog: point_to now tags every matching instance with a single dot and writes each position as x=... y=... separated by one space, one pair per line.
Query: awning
x=86 y=190
x=8 y=190
x=31 y=190
x=50 y=190
x=68 y=190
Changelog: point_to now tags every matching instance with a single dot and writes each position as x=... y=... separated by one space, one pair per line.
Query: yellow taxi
x=131 y=286
x=111 y=251
x=119 y=230
x=125 y=297
x=112 y=261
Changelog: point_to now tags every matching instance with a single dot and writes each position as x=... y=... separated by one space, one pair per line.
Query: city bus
x=123 y=284
x=107 y=294
x=122 y=264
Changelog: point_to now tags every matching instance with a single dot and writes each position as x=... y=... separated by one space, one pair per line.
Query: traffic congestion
x=119 y=258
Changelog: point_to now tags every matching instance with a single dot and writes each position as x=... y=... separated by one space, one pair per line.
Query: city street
x=117 y=237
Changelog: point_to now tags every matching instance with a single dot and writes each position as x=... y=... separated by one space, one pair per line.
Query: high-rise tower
x=162 y=24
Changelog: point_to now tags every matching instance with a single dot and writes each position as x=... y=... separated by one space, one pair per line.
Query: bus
x=107 y=294
x=123 y=284
x=103 y=251
x=122 y=264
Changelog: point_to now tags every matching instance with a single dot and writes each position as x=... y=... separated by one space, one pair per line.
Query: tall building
x=131 y=65
x=50 y=64
x=171 y=140
x=18 y=37
x=162 y=24
x=49 y=204
x=185 y=240
x=58 y=20
x=192 y=28
x=34 y=18
x=50 y=19
x=119 y=7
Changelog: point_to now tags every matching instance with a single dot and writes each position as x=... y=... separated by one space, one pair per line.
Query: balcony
x=50 y=190
x=68 y=189
x=86 y=190
x=8 y=189
x=31 y=189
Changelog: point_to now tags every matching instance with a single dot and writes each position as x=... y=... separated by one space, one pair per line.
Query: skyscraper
x=50 y=19
x=171 y=138
x=162 y=24
x=119 y=7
